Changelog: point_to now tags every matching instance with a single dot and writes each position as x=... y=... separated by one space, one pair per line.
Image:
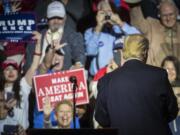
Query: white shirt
x=48 y=38
x=20 y=114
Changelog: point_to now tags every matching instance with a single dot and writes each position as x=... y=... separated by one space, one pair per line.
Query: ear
x=145 y=55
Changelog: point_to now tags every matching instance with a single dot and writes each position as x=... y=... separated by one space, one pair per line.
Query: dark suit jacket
x=137 y=99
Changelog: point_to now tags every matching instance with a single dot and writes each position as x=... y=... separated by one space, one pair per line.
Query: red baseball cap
x=9 y=62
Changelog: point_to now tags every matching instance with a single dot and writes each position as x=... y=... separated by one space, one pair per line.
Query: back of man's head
x=135 y=46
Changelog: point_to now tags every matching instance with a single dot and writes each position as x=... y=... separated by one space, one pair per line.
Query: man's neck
x=133 y=59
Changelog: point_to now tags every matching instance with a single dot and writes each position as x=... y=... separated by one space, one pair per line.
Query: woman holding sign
x=15 y=90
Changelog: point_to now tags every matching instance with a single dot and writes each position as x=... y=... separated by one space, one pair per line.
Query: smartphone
x=10 y=95
x=9 y=129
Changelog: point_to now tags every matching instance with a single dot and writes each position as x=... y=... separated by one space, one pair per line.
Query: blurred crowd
x=89 y=34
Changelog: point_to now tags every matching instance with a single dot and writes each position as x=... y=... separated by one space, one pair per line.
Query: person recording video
x=100 y=41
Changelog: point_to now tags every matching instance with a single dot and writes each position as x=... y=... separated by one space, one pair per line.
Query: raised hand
x=56 y=45
x=16 y=5
x=47 y=108
x=37 y=36
x=115 y=19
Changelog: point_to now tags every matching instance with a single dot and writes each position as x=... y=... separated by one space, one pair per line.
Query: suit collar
x=133 y=62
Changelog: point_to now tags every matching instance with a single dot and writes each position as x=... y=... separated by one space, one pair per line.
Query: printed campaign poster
x=58 y=87
x=17 y=27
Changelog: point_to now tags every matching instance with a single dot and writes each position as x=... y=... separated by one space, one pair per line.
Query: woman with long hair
x=171 y=64
x=15 y=89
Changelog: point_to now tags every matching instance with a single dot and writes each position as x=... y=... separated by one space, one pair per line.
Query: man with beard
x=106 y=37
x=58 y=31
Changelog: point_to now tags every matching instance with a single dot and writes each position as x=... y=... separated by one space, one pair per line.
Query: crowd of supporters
x=89 y=34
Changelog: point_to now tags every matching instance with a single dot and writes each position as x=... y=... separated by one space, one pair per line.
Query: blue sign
x=17 y=27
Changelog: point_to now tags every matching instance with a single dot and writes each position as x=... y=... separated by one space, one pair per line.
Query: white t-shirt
x=20 y=114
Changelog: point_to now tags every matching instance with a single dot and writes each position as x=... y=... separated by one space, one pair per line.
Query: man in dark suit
x=136 y=98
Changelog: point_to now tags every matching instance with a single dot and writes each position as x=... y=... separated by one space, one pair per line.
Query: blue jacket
x=101 y=45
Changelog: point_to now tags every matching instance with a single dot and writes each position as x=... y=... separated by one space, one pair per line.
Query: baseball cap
x=56 y=9
x=9 y=62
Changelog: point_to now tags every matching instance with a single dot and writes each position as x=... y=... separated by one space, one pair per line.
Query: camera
x=107 y=17
x=9 y=97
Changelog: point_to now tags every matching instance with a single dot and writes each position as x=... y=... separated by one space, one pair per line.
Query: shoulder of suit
x=156 y=69
x=113 y=73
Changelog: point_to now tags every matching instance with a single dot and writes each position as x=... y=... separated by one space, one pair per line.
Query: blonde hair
x=63 y=102
x=135 y=46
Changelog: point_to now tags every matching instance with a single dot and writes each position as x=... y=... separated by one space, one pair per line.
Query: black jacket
x=137 y=99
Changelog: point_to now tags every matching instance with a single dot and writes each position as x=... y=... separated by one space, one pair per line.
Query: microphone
x=73 y=79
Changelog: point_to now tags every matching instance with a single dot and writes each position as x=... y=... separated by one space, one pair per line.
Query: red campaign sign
x=58 y=87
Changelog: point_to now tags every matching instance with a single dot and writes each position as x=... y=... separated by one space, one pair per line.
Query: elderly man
x=136 y=98
x=163 y=34
x=58 y=31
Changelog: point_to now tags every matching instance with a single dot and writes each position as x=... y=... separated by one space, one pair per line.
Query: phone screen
x=10 y=95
